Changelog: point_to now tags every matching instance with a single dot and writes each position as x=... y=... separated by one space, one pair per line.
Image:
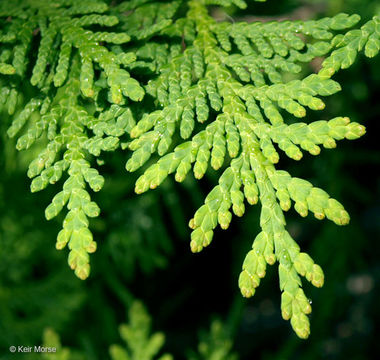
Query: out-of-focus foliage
x=215 y=344
x=141 y=344
x=132 y=242
x=51 y=340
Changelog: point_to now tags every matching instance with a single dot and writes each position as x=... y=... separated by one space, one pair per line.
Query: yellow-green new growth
x=235 y=71
x=208 y=93
x=73 y=63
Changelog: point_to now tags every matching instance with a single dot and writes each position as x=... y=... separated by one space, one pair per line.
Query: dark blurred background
x=143 y=245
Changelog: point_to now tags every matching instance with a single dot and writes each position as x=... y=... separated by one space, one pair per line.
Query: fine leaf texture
x=178 y=91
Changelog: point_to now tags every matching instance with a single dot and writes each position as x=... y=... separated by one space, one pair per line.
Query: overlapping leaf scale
x=63 y=25
x=248 y=176
x=348 y=46
x=275 y=243
x=182 y=90
x=69 y=57
x=15 y=43
x=276 y=47
x=290 y=138
x=66 y=135
x=200 y=77
x=71 y=133
x=248 y=125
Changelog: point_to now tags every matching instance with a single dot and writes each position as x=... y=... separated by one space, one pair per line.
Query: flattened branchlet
x=178 y=91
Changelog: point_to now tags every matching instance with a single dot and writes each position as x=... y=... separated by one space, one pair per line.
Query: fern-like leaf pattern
x=164 y=79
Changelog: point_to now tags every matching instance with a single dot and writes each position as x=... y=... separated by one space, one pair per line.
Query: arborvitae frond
x=141 y=345
x=231 y=76
x=220 y=86
x=347 y=46
x=71 y=65
x=62 y=29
